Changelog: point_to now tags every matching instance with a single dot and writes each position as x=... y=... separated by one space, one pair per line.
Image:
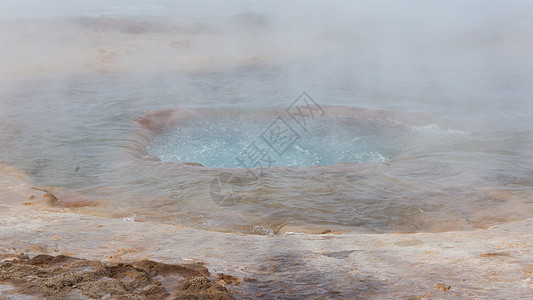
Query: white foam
x=435 y=129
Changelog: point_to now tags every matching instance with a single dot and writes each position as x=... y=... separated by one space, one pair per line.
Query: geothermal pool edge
x=484 y=263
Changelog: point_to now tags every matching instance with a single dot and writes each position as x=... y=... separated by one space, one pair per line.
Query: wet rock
x=193 y=164
x=185 y=270
x=442 y=286
x=4 y=257
x=202 y=288
x=228 y=279
x=494 y=254
x=328 y=231
x=50 y=199
x=59 y=277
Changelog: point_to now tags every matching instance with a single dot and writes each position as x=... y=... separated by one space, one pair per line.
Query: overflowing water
x=446 y=142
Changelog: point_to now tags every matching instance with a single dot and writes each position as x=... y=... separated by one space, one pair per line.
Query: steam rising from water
x=75 y=74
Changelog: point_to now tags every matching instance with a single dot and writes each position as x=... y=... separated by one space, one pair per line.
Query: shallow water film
x=409 y=121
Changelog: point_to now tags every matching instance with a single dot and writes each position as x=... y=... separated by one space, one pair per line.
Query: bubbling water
x=225 y=142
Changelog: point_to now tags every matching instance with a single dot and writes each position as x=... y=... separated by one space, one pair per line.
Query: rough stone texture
x=63 y=277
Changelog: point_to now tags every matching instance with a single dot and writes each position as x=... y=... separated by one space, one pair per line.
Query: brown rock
x=493 y=254
x=229 y=279
x=328 y=231
x=193 y=164
x=50 y=199
x=202 y=288
x=60 y=277
x=442 y=286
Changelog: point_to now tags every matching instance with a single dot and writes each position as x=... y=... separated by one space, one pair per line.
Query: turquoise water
x=451 y=150
x=228 y=143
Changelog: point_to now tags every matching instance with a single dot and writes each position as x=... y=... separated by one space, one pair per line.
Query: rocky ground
x=66 y=277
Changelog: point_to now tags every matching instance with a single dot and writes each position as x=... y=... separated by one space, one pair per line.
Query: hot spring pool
x=351 y=169
x=146 y=112
x=354 y=169
x=236 y=141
